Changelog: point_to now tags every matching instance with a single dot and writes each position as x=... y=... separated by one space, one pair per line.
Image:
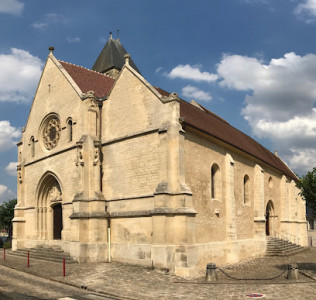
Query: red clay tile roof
x=215 y=126
x=89 y=80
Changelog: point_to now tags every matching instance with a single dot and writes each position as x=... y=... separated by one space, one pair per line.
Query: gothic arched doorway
x=49 y=208
x=269 y=215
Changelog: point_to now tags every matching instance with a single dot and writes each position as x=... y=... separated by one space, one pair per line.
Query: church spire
x=111 y=59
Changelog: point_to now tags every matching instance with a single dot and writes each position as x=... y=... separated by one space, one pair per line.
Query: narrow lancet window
x=69 y=129
x=215 y=182
x=32 y=144
x=246 y=189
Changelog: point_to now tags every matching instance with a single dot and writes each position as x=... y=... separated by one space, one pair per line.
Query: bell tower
x=111 y=59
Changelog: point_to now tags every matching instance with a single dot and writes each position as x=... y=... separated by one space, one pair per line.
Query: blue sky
x=253 y=62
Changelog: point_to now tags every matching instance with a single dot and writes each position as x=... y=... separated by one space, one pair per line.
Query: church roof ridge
x=62 y=61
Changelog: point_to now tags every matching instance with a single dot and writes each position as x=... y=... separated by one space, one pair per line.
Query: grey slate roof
x=112 y=56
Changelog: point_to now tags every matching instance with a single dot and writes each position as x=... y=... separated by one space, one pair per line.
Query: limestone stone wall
x=54 y=95
x=68 y=162
x=131 y=167
x=131 y=240
x=235 y=221
x=200 y=155
x=132 y=108
x=244 y=207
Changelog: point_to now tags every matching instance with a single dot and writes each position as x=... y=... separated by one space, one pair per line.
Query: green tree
x=6 y=215
x=307 y=184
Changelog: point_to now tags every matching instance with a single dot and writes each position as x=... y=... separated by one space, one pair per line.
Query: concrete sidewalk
x=134 y=282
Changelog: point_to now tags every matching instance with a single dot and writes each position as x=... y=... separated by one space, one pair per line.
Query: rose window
x=51 y=133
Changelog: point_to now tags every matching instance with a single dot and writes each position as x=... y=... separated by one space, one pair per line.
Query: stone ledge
x=84 y=215
x=154 y=212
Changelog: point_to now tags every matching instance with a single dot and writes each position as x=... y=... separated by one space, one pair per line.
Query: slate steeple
x=111 y=58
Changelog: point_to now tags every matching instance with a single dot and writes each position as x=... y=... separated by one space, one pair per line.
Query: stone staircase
x=279 y=247
x=47 y=253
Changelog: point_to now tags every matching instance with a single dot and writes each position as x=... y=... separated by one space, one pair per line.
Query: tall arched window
x=215 y=182
x=69 y=129
x=246 y=189
x=32 y=144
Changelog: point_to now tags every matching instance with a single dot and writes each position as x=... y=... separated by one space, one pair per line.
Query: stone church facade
x=113 y=168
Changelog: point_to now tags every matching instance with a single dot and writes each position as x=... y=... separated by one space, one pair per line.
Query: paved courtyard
x=133 y=282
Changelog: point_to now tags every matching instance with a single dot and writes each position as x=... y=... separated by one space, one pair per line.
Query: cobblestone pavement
x=134 y=282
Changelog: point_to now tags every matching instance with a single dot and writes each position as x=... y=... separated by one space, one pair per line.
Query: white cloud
x=49 y=19
x=301 y=159
x=6 y=194
x=8 y=136
x=20 y=72
x=13 y=7
x=73 y=39
x=159 y=69
x=192 y=73
x=196 y=94
x=306 y=11
x=11 y=168
x=40 y=25
x=280 y=101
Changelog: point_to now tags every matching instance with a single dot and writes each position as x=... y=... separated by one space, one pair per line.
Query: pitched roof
x=89 y=80
x=215 y=126
x=112 y=56
x=203 y=120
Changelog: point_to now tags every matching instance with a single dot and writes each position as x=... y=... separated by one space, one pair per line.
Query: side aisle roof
x=208 y=122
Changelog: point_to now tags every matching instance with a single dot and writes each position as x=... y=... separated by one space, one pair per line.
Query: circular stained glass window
x=51 y=133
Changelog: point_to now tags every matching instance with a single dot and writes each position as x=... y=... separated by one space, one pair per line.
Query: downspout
x=101 y=176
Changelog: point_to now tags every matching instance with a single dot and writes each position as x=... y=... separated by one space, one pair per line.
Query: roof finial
x=118 y=34
x=127 y=57
x=110 y=35
x=51 y=50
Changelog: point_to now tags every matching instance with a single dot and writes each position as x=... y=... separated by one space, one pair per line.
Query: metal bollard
x=211 y=274
x=292 y=271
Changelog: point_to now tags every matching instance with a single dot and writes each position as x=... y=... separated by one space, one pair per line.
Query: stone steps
x=54 y=254
x=276 y=247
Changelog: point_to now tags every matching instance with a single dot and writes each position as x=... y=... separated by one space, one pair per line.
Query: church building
x=111 y=167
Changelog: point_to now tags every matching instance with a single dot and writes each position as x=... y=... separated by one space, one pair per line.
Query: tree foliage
x=7 y=213
x=307 y=184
